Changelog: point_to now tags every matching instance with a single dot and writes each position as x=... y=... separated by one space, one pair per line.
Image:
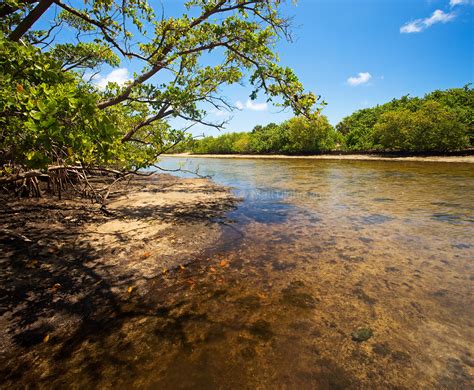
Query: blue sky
x=358 y=53
x=340 y=39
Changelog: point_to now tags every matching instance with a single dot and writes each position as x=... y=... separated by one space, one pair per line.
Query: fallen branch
x=196 y=172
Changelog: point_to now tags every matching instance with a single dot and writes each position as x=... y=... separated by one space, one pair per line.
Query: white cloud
x=439 y=17
x=256 y=106
x=219 y=113
x=361 y=78
x=250 y=105
x=119 y=76
x=453 y=3
x=411 y=27
x=419 y=25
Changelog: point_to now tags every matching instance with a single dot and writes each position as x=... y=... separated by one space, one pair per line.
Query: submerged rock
x=249 y=302
x=299 y=299
x=401 y=357
x=381 y=349
x=362 y=334
x=294 y=296
x=281 y=266
x=261 y=329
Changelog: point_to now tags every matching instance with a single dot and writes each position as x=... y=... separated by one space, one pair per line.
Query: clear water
x=317 y=255
x=319 y=249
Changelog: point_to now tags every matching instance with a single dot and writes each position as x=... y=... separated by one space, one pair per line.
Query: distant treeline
x=441 y=121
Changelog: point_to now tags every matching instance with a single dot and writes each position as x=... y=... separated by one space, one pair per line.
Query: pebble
x=362 y=334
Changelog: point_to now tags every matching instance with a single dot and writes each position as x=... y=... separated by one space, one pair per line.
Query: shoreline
x=348 y=157
x=71 y=273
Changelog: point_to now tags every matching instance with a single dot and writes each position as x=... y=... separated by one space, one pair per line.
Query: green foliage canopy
x=442 y=121
x=386 y=127
x=433 y=127
x=298 y=135
x=50 y=115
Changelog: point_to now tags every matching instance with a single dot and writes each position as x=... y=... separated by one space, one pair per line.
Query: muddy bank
x=356 y=157
x=69 y=270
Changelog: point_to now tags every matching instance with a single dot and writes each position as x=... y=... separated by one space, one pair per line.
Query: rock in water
x=362 y=334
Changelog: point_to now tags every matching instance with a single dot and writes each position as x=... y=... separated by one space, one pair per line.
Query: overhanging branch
x=30 y=19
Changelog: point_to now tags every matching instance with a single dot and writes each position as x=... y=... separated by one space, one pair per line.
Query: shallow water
x=320 y=249
x=328 y=275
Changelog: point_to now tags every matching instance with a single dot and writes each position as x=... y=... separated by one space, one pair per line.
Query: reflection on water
x=329 y=275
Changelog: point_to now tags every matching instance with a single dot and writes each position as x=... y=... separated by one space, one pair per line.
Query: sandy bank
x=66 y=266
x=164 y=223
x=357 y=157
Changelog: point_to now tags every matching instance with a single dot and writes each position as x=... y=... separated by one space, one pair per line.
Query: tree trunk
x=30 y=19
x=6 y=9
